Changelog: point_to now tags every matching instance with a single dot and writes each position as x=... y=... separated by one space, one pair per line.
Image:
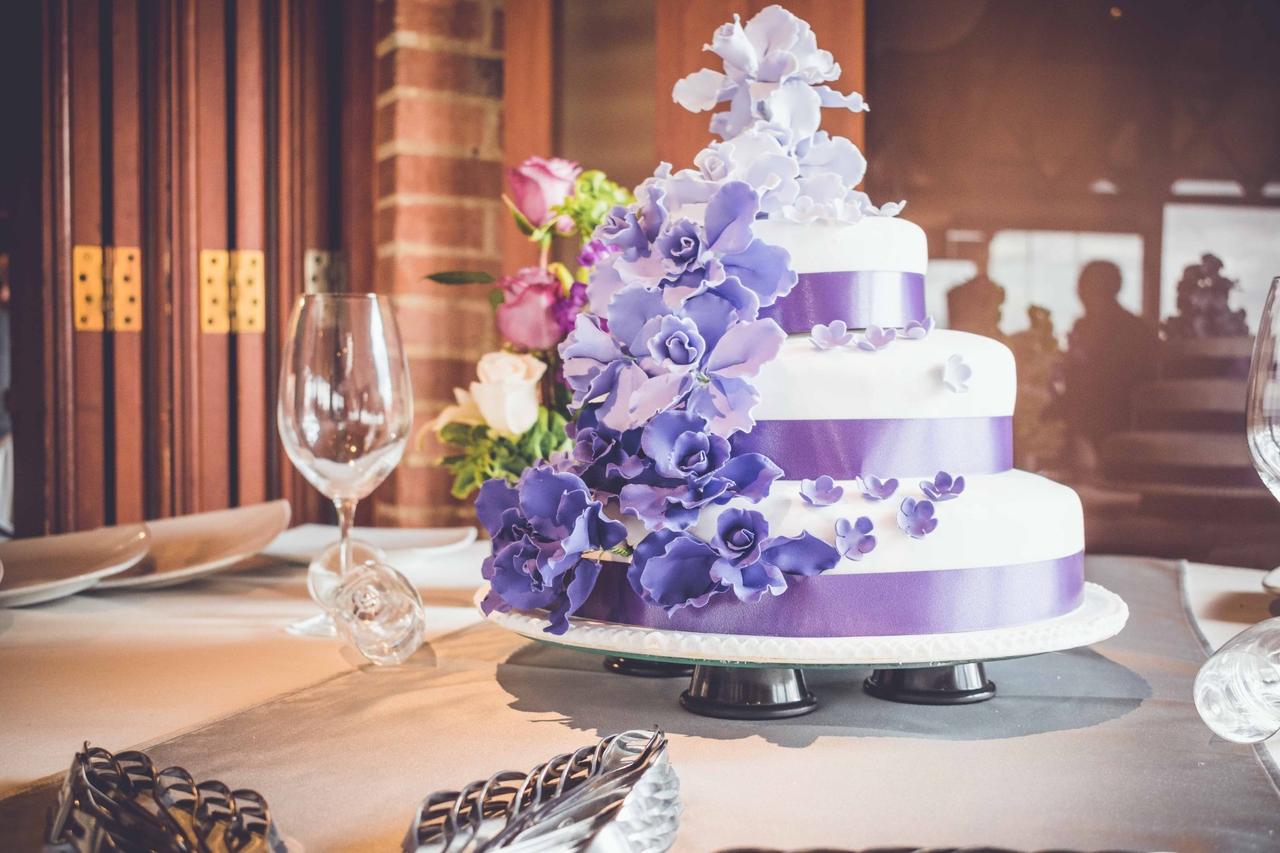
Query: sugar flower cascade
x=662 y=361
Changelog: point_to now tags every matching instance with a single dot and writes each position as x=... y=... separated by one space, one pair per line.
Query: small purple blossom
x=569 y=306
x=821 y=492
x=876 y=338
x=594 y=252
x=915 y=518
x=943 y=487
x=834 y=334
x=875 y=489
x=956 y=374
x=918 y=330
x=853 y=539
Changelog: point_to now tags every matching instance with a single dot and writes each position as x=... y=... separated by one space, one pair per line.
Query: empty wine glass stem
x=346 y=517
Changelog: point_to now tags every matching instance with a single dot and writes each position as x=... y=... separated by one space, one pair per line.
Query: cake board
x=761 y=678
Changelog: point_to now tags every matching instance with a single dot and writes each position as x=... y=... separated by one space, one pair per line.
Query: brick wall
x=439 y=176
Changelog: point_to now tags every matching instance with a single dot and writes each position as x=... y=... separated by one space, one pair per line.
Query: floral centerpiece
x=514 y=415
x=660 y=365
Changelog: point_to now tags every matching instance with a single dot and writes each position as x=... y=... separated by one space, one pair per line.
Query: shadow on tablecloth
x=1047 y=693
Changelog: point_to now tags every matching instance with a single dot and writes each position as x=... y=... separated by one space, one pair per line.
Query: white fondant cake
x=771 y=438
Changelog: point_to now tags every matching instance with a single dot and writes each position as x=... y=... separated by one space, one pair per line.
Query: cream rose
x=507 y=391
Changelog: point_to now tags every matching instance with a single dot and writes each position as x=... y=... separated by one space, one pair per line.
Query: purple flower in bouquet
x=943 y=487
x=547 y=532
x=918 y=330
x=834 y=334
x=568 y=306
x=875 y=489
x=915 y=518
x=540 y=184
x=853 y=538
x=527 y=316
x=821 y=492
x=594 y=252
x=956 y=374
x=875 y=338
x=691 y=468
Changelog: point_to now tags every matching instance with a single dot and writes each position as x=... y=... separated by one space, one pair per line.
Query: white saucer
x=190 y=546
x=45 y=568
x=1271 y=581
x=409 y=549
x=1100 y=616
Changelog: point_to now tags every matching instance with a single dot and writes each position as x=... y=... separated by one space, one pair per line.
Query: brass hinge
x=248 y=291
x=86 y=289
x=124 y=286
x=215 y=291
x=324 y=271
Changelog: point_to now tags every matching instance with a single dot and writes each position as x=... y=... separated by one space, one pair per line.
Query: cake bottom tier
x=865 y=604
x=1009 y=550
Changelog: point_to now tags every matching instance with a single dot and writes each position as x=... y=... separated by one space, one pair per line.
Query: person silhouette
x=1109 y=351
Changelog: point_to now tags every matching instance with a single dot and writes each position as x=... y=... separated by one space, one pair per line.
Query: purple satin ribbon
x=861 y=299
x=897 y=447
x=864 y=604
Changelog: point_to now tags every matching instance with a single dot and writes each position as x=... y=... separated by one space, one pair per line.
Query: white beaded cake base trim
x=1100 y=616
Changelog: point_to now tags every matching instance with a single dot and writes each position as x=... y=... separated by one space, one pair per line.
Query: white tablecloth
x=132 y=669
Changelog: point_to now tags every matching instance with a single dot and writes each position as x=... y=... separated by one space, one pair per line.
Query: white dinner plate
x=1271 y=581
x=409 y=549
x=190 y=546
x=45 y=568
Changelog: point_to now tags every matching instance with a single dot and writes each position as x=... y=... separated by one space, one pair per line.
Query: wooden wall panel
x=125 y=447
x=88 y=424
x=252 y=423
x=683 y=27
x=528 y=107
x=212 y=426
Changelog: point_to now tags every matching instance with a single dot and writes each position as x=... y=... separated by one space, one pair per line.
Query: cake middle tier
x=902 y=410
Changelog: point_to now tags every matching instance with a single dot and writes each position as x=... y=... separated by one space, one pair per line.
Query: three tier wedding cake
x=772 y=439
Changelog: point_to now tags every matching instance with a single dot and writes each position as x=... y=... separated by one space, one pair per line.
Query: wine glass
x=345 y=413
x=1263 y=414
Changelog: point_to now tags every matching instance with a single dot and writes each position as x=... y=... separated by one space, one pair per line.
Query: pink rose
x=540 y=184
x=527 y=315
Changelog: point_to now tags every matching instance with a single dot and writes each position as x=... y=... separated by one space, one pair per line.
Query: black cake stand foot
x=747 y=693
x=960 y=684
x=647 y=668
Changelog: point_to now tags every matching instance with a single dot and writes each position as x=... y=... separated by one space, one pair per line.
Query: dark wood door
x=170 y=168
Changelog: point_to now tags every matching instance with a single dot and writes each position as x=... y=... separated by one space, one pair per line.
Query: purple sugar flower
x=567 y=307
x=692 y=468
x=542 y=531
x=956 y=374
x=821 y=492
x=875 y=489
x=918 y=330
x=673 y=570
x=943 y=487
x=915 y=518
x=677 y=570
x=853 y=539
x=876 y=338
x=834 y=334
x=674 y=342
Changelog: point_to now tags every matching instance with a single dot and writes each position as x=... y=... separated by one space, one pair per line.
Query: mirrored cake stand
x=762 y=678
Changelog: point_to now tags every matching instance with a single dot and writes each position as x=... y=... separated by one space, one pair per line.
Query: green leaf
x=495 y=297
x=461 y=277
x=522 y=222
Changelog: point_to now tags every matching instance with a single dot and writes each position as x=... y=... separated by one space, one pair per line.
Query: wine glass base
x=319 y=625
